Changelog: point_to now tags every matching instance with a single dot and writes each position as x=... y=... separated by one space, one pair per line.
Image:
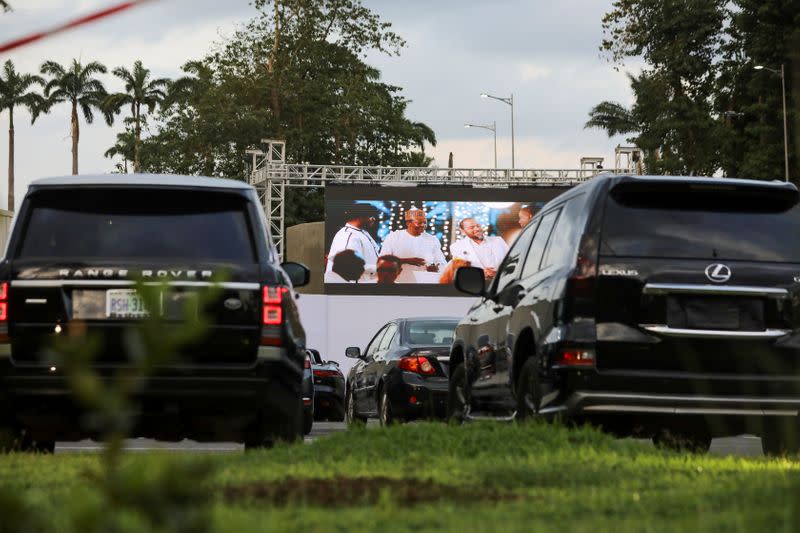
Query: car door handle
x=497 y=308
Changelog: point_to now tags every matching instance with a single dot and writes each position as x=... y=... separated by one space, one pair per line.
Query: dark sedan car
x=402 y=374
x=308 y=395
x=328 y=388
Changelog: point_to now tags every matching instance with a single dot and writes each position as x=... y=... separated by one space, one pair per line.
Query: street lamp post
x=493 y=129
x=509 y=101
x=782 y=74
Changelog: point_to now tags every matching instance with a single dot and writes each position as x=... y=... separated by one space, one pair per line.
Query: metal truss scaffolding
x=271 y=175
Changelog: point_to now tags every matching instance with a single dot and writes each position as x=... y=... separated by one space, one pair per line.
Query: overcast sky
x=544 y=52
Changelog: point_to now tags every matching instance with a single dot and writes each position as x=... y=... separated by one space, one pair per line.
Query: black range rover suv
x=76 y=246
x=660 y=306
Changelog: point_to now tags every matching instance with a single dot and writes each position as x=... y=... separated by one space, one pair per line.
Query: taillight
x=307 y=363
x=576 y=357
x=581 y=284
x=326 y=373
x=417 y=365
x=4 y=301
x=272 y=315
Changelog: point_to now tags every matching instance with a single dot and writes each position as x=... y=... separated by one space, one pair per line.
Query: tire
x=683 y=441
x=529 y=391
x=10 y=439
x=351 y=414
x=14 y=440
x=781 y=439
x=286 y=428
x=385 y=415
x=337 y=412
x=457 y=402
x=308 y=423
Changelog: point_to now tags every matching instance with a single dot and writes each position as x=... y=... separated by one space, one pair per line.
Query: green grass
x=479 y=477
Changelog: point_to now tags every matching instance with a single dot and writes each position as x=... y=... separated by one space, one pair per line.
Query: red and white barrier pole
x=86 y=19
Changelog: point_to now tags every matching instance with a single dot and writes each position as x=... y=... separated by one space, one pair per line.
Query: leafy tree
x=140 y=92
x=15 y=91
x=78 y=86
x=295 y=72
x=125 y=148
x=763 y=32
x=679 y=40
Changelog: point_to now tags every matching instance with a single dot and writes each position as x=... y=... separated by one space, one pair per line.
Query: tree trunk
x=271 y=65
x=137 y=166
x=10 y=158
x=75 y=135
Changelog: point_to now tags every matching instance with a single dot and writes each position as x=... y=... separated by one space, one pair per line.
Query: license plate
x=124 y=303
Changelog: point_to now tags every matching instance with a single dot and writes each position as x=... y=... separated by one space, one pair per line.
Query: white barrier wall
x=334 y=322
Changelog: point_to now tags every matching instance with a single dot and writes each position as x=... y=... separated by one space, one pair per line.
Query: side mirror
x=470 y=280
x=353 y=352
x=298 y=273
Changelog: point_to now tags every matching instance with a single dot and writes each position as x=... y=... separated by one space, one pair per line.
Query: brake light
x=4 y=301
x=581 y=284
x=577 y=357
x=272 y=315
x=326 y=373
x=417 y=365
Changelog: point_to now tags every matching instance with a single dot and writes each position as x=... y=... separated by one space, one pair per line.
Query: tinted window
x=373 y=346
x=510 y=267
x=138 y=224
x=562 y=249
x=726 y=225
x=431 y=333
x=539 y=241
x=391 y=332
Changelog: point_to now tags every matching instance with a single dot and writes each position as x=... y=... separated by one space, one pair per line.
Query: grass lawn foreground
x=478 y=477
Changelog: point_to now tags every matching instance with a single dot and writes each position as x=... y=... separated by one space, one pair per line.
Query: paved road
x=745 y=446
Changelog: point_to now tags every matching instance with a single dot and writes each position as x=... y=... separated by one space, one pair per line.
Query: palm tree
x=613 y=117
x=78 y=86
x=140 y=91
x=14 y=91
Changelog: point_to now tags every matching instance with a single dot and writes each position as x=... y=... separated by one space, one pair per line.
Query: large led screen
x=411 y=240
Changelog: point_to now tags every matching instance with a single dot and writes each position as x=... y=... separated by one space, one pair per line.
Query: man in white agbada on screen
x=418 y=251
x=355 y=236
x=481 y=251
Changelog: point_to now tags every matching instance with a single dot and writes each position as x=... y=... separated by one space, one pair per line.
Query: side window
x=539 y=242
x=373 y=346
x=391 y=333
x=510 y=267
x=563 y=250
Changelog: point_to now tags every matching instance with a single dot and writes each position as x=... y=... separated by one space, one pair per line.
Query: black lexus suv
x=76 y=247
x=666 y=307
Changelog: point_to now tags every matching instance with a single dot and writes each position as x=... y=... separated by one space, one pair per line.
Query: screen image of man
x=480 y=250
x=525 y=215
x=388 y=269
x=347 y=267
x=419 y=252
x=355 y=236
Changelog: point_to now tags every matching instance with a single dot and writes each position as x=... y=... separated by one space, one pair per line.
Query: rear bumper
x=196 y=402
x=588 y=402
x=414 y=397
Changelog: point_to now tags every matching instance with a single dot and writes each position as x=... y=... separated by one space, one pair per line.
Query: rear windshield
x=431 y=333
x=138 y=224
x=702 y=223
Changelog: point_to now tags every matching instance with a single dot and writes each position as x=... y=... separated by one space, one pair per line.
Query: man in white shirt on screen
x=355 y=236
x=418 y=251
x=480 y=250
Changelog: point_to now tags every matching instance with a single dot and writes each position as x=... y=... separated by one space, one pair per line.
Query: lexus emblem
x=718 y=273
